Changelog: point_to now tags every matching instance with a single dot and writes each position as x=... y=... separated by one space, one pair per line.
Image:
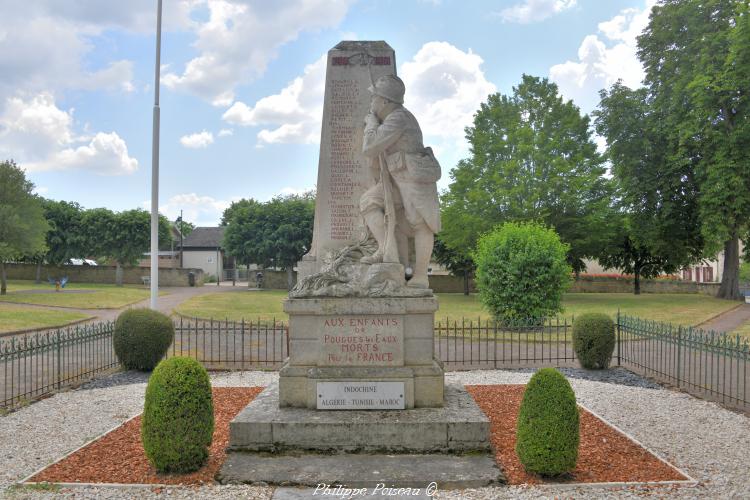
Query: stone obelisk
x=352 y=67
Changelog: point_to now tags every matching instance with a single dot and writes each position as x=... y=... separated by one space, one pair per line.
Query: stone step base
x=362 y=471
x=458 y=427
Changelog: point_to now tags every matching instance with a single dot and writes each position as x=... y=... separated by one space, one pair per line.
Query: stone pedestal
x=361 y=340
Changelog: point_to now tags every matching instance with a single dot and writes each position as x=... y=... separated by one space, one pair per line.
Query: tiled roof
x=204 y=237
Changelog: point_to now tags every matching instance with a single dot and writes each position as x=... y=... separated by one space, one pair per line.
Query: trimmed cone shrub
x=594 y=340
x=142 y=337
x=178 y=417
x=547 y=433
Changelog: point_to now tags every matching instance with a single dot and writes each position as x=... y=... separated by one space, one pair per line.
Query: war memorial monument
x=362 y=399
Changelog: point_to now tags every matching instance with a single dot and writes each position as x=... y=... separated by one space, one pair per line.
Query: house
x=202 y=249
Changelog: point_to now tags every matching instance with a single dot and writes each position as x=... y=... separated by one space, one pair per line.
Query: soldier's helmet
x=390 y=87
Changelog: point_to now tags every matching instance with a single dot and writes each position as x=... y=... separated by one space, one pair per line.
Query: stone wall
x=446 y=283
x=588 y=284
x=103 y=274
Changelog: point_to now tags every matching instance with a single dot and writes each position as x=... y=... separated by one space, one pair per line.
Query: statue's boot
x=375 y=258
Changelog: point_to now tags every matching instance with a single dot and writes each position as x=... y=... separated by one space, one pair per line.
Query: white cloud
x=225 y=132
x=106 y=154
x=197 y=140
x=291 y=191
x=602 y=61
x=200 y=210
x=531 y=11
x=40 y=137
x=238 y=40
x=293 y=115
x=444 y=88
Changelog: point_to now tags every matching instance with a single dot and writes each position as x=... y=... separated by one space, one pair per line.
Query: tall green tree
x=22 y=224
x=657 y=220
x=122 y=237
x=65 y=239
x=626 y=253
x=696 y=54
x=532 y=159
x=276 y=233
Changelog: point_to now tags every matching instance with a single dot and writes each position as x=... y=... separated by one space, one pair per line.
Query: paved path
x=728 y=321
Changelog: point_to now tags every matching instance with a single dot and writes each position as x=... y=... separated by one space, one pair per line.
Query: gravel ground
x=703 y=439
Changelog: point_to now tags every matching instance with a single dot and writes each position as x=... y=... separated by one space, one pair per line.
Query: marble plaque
x=366 y=340
x=360 y=395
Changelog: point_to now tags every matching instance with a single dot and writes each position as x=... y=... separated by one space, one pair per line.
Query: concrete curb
x=689 y=482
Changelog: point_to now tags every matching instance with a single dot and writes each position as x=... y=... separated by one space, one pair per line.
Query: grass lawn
x=252 y=305
x=743 y=331
x=96 y=296
x=684 y=309
x=14 y=318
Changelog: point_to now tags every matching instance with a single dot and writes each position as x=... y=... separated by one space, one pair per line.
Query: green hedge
x=547 y=433
x=594 y=340
x=142 y=338
x=178 y=416
x=522 y=271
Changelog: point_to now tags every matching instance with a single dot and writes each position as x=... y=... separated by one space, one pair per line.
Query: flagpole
x=155 y=171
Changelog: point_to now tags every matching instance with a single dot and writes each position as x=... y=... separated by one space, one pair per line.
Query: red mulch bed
x=118 y=457
x=604 y=455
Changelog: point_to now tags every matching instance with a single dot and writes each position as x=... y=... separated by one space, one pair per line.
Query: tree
x=532 y=159
x=657 y=224
x=458 y=263
x=184 y=226
x=123 y=237
x=627 y=254
x=65 y=239
x=696 y=54
x=275 y=233
x=22 y=224
x=522 y=272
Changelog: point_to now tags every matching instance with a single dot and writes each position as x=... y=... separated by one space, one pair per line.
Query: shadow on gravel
x=618 y=376
x=117 y=379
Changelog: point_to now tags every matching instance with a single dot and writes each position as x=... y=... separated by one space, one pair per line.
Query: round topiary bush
x=522 y=272
x=141 y=338
x=178 y=416
x=594 y=340
x=547 y=433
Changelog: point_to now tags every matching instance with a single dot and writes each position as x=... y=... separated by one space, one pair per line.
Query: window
x=708 y=274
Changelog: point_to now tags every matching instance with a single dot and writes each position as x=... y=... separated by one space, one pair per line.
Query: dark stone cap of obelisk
x=353 y=45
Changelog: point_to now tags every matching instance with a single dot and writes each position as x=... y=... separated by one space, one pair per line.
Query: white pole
x=155 y=171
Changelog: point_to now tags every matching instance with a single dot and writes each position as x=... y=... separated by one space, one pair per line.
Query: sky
x=242 y=81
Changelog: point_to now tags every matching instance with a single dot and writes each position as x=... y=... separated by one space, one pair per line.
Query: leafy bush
x=521 y=271
x=547 y=433
x=594 y=340
x=141 y=338
x=178 y=416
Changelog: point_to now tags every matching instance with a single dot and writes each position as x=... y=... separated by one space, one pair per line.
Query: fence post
x=59 y=352
x=242 y=341
x=618 y=337
x=679 y=353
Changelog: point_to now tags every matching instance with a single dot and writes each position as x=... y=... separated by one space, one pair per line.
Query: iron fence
x=232 y=345
x=33 y=366
x=708 y=364
x=468 y=345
